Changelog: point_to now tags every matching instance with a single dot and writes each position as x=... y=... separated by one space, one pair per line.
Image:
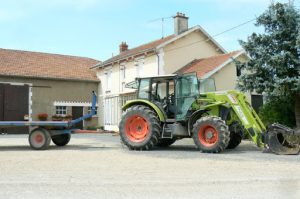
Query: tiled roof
x=137 y=50
x=44 y=65
x=207 y=65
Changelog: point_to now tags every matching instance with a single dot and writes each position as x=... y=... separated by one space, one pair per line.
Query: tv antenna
x=162 y=20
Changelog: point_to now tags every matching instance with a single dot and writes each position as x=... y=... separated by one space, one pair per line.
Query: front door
x=77 y=112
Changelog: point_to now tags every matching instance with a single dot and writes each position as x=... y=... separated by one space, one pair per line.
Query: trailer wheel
x=39 y=139
x=61 y=140
x=211 y=134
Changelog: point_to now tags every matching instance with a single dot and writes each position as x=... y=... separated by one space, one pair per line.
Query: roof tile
x=206 y=65
x=140 y=49
x=45 y=65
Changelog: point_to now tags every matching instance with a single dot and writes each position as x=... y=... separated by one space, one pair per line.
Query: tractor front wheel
x=211 y=134
x=139 y=128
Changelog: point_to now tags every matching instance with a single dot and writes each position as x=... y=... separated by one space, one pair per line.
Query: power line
x=213 y=36
x=234 y=27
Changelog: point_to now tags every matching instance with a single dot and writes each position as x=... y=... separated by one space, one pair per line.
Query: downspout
x=158 y=61
x=119 y=79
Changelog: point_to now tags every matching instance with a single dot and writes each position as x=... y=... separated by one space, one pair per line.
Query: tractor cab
x=173 y=94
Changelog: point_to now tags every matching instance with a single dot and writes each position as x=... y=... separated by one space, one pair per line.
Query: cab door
x=187 y=90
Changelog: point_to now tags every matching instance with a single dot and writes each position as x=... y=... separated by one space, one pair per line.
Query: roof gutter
x=104 y=64
x=50 y=78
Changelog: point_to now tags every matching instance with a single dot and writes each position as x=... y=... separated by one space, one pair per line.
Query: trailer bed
x=35 y=123
x=42 y=132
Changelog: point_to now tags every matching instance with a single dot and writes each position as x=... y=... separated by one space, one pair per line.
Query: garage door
x=14 y=103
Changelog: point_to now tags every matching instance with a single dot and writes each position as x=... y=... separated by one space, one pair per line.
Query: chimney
x=180 y=23
x=123 y=47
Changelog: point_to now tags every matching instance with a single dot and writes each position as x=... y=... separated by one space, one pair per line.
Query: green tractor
x=171 y=107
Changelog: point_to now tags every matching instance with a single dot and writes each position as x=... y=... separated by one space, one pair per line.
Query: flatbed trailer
x=42 y=132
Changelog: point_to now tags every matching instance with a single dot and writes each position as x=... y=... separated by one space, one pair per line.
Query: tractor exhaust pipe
x=276 y=140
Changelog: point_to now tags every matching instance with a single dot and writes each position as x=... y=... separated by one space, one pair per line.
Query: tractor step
x=170 y=121
x=167 y=133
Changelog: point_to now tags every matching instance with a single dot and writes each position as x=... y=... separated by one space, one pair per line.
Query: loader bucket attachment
x=276 y=142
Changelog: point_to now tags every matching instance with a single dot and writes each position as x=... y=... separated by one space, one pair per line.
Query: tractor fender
x=158 y=110
x=194 y=117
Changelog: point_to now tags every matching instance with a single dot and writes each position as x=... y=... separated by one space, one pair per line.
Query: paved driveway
x=96 y=166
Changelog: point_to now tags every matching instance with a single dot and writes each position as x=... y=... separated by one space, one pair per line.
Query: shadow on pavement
x=55 y=148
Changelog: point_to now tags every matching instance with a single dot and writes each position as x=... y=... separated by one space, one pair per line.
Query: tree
x=274 y=65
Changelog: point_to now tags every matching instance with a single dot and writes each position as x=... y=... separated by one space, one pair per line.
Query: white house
x=163 y=56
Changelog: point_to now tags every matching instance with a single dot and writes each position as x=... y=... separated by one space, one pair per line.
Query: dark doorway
x=257 y=101
x=14 y=101
x=77 y=112
x=1 y=102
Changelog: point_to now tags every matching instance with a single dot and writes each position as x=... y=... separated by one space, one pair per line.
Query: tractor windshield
x=207 y=85
x=187 y=89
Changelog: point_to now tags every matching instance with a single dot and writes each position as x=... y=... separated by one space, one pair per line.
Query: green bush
x=278 y=109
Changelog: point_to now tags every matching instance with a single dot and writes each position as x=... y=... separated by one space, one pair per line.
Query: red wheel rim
x=208 y=135
x=136 y=128
x=38 y=138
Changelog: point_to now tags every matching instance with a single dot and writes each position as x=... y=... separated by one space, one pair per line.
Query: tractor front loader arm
x=271 y=138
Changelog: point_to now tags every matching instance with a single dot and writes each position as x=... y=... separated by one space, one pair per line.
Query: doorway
x=77 y=112
x=14 y=103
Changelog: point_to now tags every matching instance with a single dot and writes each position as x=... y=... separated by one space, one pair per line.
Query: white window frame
x=123 y=86
x=139 y=63
x=61 y=110
x=122 y=71
x=108 y=80
x=122 y=76
x=96 y=111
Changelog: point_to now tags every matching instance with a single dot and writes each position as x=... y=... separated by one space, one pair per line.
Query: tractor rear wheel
x=165 y=142
x=139 y=128
x=211 y=134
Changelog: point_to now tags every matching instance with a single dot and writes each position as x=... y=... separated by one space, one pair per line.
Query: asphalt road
x=97 y=166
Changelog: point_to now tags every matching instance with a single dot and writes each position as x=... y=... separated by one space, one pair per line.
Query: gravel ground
x=97 y=166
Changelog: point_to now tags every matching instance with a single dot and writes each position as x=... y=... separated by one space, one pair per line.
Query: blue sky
x=95 y=28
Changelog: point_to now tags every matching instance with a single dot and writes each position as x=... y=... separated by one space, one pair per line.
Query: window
x=61 y=110
x=123 y=86
x=108 y=80
x=139 y=63
x=90 y=110
x=207 y=85
x=122 y=71
x=144 y=89
x=122 y=76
